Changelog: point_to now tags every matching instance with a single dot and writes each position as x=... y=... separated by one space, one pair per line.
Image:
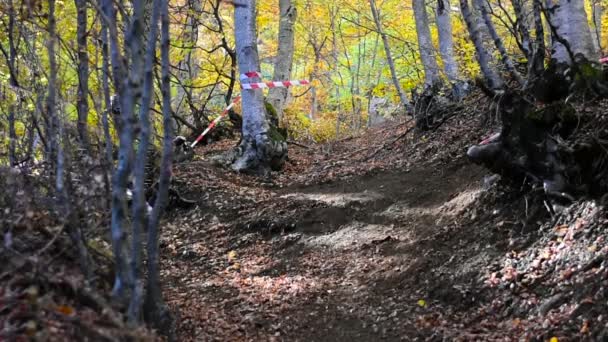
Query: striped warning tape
x=251 y=74
x=259 y=85
x=284 y=84
x=214 y=122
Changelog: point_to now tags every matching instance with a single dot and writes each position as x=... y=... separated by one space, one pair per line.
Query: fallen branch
x=299 y=145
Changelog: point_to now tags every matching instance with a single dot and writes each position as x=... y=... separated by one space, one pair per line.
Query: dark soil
x=364 y=241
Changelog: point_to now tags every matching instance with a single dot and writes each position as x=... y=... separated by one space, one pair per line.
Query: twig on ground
x=299 y=145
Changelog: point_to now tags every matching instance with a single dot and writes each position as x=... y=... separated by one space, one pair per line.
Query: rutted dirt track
x=350 y=259
x=408 y=245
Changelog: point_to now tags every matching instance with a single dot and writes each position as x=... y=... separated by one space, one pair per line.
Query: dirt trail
x=357 y=259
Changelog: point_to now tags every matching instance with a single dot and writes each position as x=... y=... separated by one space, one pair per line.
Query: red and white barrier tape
x=604 y=60
x=260 y=85
x=251 y=74
x=214 y=122
x=285 y=84
x=490 y=139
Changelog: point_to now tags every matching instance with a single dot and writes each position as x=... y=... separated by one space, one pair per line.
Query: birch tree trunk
x=83 y=74
x=259 y=150
x=282 y=67
x=506 y=59
x=596 y=32
x=425 y=44
x=493 y=80
x=157 y=311
x=407 y=106
x=446 y=47
x=122 y=281
x=570 y=20
x=536 y=62
x=139 y=169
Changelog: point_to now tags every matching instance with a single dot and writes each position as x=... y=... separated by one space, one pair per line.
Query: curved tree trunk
x=493 y=80
x=389 y=58
x=425 y=44
x=570 y=21
x=506 y=59
x=259 y=151
x=282 y=66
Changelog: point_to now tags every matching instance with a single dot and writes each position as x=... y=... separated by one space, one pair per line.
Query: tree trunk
x=523 y=28
x=106 y=96
x=596 y=32
x=446 y=47
x=157 y=311
x=259 y=150
x=536 y=62
x=425 y=44
x=122 y=281
x=570 y=21
x=139 y=169
x=506 y=59
x=493 y=80
x=282 y=67
x=12 y=158
x=407 y=106
x=83 y=74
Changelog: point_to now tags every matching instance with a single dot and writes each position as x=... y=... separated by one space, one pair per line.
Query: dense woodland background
x=93 y=94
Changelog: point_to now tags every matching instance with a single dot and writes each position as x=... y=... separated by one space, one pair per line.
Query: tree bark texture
x=407 y=106
x=446 y=43
x=282 y=66
x=596 y=32
x=156 y=310
x=536 y=62
x=570 y=20
x=139 y=169
x=258 y=149
x=83 y=74
x=493 y=80
x=122 y=281
x=425 y=44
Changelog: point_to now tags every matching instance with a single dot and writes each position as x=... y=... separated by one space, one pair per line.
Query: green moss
x=274 y=132
x=270 y=111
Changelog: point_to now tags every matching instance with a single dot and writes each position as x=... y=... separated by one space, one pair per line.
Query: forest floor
x=385 y=236
x=390 y=235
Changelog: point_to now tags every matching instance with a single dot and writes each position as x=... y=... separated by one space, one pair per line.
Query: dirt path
x=357 y=259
